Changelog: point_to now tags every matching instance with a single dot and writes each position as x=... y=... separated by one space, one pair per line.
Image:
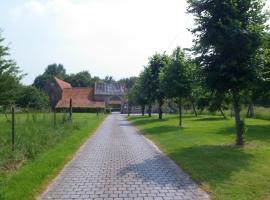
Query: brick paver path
x=118 y=163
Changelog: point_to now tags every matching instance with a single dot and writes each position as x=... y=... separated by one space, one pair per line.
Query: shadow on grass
x=210 y=119
x=161 y=129
x=144 y=120
x=254 y=132
x=212 y=164
x=258 y=132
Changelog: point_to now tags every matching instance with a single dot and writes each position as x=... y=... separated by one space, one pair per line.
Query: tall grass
x=36 y=135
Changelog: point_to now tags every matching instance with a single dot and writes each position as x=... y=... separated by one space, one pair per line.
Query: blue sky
x=104 y=37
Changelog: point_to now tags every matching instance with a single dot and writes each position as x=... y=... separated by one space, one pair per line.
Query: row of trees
x=227 y=66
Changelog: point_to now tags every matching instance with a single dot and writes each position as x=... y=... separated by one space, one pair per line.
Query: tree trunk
x=180 y=112
x=250 y=112
x=194 y=109
x=160 y=103
x=149 y=110
x=237 y=117
x=128 y=109
x=222 y=113
x=143 y=108
x=6 y=116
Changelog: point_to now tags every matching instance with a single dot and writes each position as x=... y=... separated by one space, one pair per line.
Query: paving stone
x=118 y=163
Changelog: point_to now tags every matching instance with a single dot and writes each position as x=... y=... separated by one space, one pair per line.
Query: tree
x=228 y=35
x=137 y=96
x=146 y=91
x=10 y=75
x=175 y=80
x=81 y=79
x=127 y=82
x=32 y=97
x=195 y=78
x=109 y=79
x=156 y=63
x=52 y=70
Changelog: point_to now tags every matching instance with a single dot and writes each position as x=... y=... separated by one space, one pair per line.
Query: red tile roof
x=62 y=84
x=81 y=98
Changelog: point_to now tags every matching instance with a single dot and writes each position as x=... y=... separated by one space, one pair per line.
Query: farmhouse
x=103 y=95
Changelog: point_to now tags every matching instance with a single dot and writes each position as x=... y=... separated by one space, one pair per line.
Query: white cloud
x=106 y=37
x=30 y=8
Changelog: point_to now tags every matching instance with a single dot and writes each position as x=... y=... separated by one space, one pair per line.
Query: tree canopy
x=10 y=75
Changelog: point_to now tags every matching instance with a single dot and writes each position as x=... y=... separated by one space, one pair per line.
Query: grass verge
x=205 y=149
x=36 y=172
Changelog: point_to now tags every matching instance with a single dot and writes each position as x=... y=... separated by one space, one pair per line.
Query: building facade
x=103 y=95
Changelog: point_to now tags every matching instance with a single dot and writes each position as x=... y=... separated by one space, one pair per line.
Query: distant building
x=103 y=95
x=110 y=93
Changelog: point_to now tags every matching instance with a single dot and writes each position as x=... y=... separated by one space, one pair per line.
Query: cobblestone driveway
x=118 y=163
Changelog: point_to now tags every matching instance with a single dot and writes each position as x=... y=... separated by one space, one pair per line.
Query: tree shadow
x=144 y=121
x=258 y=132
x=161 y=129
x=212 y=164
x=254 y=132
x=211 y=119
x=125 y=124
x=208 y=164
x=159 y=171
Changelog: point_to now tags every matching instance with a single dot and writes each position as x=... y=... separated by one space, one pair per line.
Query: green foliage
x=156 y=64
x=52 y=70
x=31 y=97
x=174 y=78
x=81 y=79
x=127 y=82
x=229 y=34
x=10 y=76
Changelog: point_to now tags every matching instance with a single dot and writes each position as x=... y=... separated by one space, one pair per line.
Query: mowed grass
x=205 y=149
x=41 y=150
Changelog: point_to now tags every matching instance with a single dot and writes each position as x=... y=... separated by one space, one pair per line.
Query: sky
x=105 y=37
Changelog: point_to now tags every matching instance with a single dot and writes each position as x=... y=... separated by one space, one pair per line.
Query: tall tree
x=145 y=85
x=52 y=70
x=228 y=35
x=10 y=76
x=156 y=63
x=175 y=79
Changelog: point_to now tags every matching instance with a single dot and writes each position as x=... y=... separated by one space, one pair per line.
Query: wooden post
x=70 y=110
x=54 y=118
x=13 y=127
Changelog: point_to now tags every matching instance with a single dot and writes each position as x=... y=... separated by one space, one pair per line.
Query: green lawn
x=41 y=150
x=205 y=149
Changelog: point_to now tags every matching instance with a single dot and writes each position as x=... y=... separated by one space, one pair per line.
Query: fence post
x=70 y=110
x=13 y=127
x=54 y=118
